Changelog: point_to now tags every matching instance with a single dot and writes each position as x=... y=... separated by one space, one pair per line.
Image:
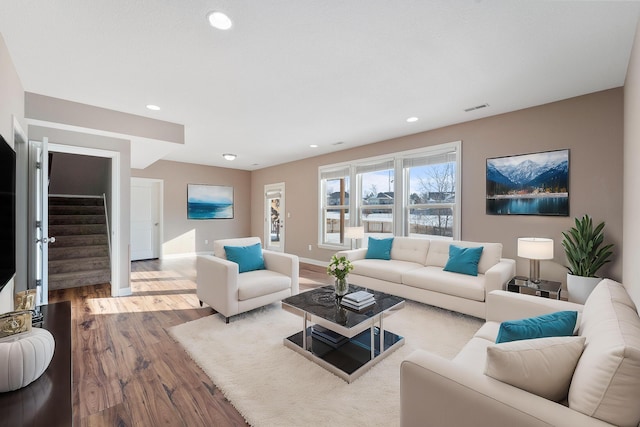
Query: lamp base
x=534 y=271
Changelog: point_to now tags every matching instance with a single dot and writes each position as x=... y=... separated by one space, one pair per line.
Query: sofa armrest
x=504 y=305
x=217 y=283
x=353 y=254
x=435 y=391
x=286 y=264
x=499 y=275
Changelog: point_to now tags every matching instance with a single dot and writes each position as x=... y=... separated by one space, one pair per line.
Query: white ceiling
x=291 y=73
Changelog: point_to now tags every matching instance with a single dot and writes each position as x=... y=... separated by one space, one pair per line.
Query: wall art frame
x=528 y=184
x=209 y=201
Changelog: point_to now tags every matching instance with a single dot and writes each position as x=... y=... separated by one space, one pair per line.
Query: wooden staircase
x=80 y=254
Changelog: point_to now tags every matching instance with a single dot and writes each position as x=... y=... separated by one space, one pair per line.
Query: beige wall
x=78 y=139
x=591 y=126
x=56 y=110
x=631 y=272
x=11 y=104
x=183 y=236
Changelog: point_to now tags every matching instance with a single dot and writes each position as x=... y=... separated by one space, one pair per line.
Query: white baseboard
x=314 y=262
x=124 y=292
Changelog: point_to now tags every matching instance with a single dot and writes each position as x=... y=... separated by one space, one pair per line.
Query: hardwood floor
x=127 y=370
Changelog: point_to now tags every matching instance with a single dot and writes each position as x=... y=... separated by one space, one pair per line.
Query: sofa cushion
x=605 y=383
x=558 y=324
x=218 y=245
x=379 y=248
x=248 y=258
x=437 y=280
x=257 y=283
x=542 y=366
x=410 y=249
x=391 y=270
x=438 y=254
x=473 y=355
x=463 y=260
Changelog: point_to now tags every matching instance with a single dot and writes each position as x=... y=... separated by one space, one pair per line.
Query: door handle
x=46 y=240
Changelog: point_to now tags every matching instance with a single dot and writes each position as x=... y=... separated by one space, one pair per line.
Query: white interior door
x=38 y=219
x=274 y=217
x=146 y=214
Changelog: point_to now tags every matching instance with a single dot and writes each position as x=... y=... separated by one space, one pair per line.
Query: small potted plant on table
x=339 y=267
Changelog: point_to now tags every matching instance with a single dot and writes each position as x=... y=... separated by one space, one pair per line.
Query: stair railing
x=106 y=214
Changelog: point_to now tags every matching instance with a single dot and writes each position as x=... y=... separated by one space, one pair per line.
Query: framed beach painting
x=529 y=184
x=209 y=201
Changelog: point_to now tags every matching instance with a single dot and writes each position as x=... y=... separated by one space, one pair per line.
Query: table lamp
x=353 y=233
x=535 y=248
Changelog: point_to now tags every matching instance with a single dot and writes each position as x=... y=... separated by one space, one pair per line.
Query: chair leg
x=201 y=303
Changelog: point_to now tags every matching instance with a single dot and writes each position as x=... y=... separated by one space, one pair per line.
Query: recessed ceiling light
x=229 y=156
x=412 y=119
x=314 y=146
x=153 y=107
x=219 y=20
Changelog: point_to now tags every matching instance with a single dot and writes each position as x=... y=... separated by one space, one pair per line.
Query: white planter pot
x=580 y=287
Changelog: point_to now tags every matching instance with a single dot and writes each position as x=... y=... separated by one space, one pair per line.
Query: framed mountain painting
x=209 y=201
x=529 y=184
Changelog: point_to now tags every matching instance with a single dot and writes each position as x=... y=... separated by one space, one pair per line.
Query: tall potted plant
x=586 y=254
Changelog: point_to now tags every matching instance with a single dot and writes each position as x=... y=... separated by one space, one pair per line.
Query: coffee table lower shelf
x=350 y=359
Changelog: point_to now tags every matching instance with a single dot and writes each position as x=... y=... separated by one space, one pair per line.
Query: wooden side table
x=545 y=289
x=47 y=400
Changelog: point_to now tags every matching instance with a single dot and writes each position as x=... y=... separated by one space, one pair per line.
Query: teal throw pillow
x=379 y=248
x=558 y=324
x=463 y=260
x=248 y=258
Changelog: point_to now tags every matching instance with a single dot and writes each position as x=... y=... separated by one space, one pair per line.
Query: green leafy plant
x=339 y=267
x=583 y=247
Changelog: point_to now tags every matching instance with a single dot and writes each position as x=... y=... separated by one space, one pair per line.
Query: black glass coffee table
x=344 y=341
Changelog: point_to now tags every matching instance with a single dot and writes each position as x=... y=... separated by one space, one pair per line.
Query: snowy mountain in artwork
x=538 y=173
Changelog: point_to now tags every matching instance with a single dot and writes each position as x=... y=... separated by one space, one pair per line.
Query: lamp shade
x=535 y=248
x=354 y=232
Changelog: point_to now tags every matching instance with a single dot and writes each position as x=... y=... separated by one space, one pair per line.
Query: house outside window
x=334 y=188
x=412 y=193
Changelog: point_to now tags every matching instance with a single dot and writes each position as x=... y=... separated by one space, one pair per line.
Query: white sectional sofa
x=602 y=387
x=415 y=271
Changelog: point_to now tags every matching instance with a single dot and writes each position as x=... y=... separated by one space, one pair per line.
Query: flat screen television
x=7 y=213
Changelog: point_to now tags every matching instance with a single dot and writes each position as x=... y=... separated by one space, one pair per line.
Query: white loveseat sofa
x=604 y=385
x=229 y=292
x=415 y=271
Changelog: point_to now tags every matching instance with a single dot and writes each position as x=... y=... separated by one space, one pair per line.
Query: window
x=376 y=185
x=335 y=205
x=430 y=208
x=412 y=193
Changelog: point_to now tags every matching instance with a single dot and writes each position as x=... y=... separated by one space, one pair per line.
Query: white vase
x=580 y=287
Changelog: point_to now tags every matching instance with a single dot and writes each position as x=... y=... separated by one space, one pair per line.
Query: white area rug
x=272 y=385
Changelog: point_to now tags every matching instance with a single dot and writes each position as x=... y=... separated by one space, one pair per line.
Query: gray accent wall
x=79 y=175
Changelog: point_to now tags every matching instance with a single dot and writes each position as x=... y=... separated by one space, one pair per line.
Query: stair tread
x=75 y=260
x=75 y=274
x=62 y=248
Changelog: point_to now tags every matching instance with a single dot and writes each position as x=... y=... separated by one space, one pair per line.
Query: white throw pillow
x=542 y=366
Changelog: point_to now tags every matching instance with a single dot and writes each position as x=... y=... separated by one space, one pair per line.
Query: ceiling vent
x=477 y=107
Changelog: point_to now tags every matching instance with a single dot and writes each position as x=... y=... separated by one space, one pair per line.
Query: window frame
x=401 y=206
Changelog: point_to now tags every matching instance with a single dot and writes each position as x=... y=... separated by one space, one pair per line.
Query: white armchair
x=229 y=292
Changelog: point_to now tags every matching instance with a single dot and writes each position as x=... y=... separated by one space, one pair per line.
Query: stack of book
x=327 y=336
x=358 y=300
